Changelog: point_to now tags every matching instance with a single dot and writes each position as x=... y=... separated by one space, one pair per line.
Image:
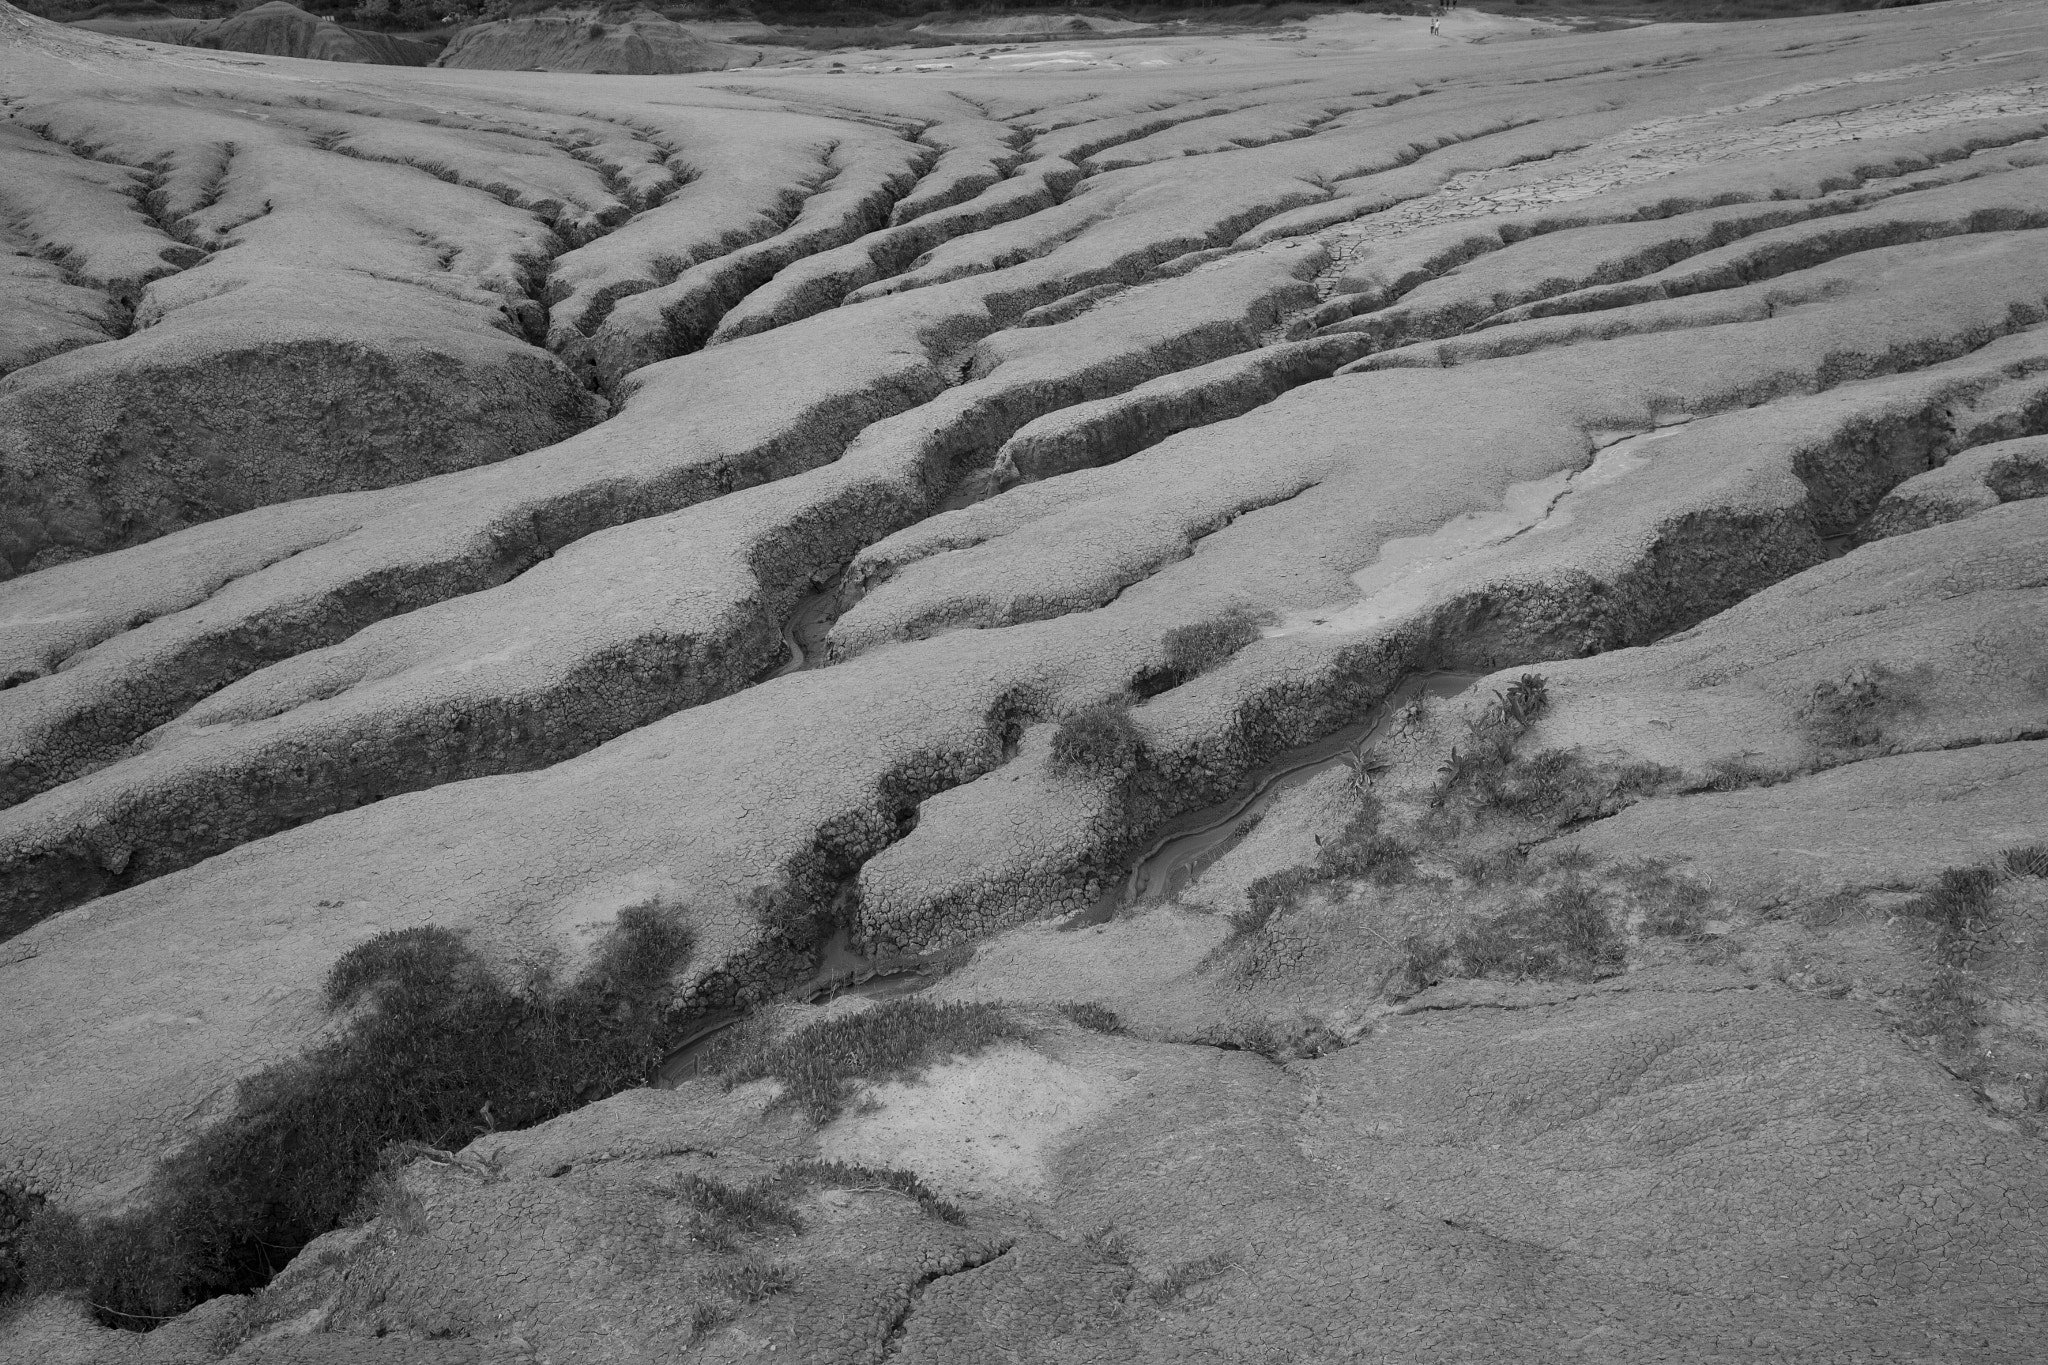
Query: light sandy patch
x=1138 y=964
x=983 y=1126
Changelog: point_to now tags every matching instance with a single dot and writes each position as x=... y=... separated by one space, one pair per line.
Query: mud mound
x=645 y=44
x=280 y=29
x=1017 y=25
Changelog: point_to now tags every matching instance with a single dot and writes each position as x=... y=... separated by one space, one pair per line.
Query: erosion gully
x=1184 y=848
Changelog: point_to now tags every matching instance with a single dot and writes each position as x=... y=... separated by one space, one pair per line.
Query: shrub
x=1194 y=650
x=1961 y=900
x=891 y=1040
x=1097 y=739
x=440 y=1052
x=1526 y=698
x=1267 y=896
x=2030 y=861
x=1361 y=850
x=1094 y=1017
x=1851 y=712
x=1489 y=743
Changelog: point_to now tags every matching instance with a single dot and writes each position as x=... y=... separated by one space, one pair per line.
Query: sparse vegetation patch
x=1185 y=1275
x=817 y=1063
x=1853 y=711
x=1556 y=787
x=1194 y=650
x=1100 y=739
x=840 y=1175
x=1960 y=909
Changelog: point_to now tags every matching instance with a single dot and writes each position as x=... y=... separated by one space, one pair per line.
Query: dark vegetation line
x=436 y=1051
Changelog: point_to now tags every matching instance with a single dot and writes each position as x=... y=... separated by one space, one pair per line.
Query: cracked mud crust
x=494 y=500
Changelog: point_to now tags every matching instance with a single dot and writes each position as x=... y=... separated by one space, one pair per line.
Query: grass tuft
x=890 y=1041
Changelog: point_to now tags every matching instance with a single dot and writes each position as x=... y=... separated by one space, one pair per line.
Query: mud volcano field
x=1320 y=700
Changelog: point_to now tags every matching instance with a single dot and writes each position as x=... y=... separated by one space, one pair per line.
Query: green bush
x=439 y=1052
x=890 y=1041
x=1097 y=739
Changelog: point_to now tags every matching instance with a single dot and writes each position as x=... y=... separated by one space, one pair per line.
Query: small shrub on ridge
x=1194 y=650
x=1096 y=739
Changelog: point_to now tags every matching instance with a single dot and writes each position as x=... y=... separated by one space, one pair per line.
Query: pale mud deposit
x=495 y=500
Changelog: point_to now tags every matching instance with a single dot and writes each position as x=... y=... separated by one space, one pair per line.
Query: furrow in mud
x=1425 y=240
x=564 y=688
x=680 y=317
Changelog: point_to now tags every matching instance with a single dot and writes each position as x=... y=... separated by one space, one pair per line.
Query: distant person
x=1433 y=22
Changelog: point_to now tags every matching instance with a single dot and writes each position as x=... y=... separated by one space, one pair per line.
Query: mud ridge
x=1686 y=574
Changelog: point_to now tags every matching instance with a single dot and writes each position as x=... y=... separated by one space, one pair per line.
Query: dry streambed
x=1000 y=399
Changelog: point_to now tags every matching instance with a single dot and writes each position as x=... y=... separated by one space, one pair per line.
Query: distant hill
x=276 y=29
x=645 y=44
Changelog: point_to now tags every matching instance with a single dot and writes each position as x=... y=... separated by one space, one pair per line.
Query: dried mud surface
x=497 y=499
